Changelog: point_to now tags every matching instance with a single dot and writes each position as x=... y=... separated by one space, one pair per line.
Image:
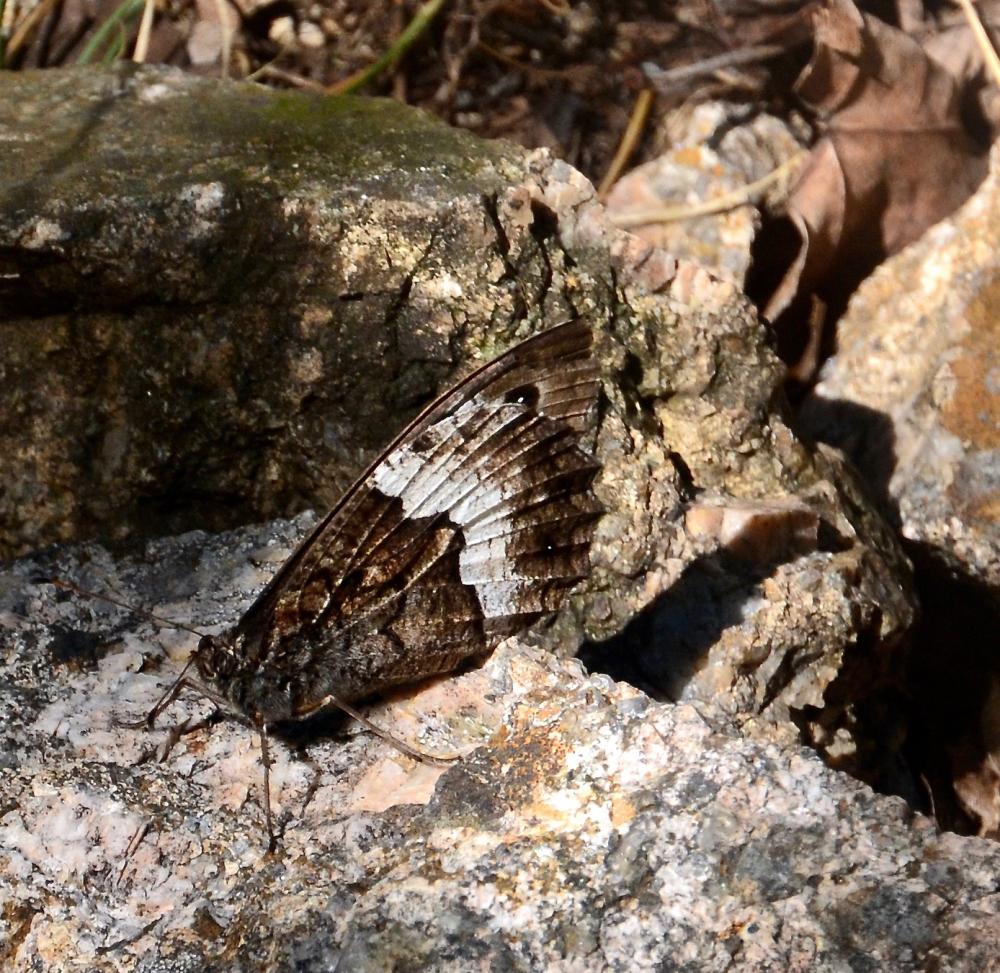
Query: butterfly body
x=473 y=524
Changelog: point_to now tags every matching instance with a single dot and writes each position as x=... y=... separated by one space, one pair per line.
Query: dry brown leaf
x=954 y=46
x=894 y=158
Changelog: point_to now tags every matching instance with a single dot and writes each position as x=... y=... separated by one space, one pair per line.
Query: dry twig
x=982 y=39
x=629 y=140
x=737 y=197
x=141 y=48
x=27 y=26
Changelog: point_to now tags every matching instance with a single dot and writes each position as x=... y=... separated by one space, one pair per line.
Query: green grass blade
x=120 y=15
x=420 y=22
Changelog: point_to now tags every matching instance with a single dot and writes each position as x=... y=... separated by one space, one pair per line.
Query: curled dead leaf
x=895 y=157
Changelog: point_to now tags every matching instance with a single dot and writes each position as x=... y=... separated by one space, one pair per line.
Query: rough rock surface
x=711 y=152
x=185 y=264
x=228 y=291
x=913 y=392
x=584 y=827
x=913 y=396
x=258 y=320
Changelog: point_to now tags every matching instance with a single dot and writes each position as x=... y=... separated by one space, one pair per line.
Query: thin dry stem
x=982 y=39
x=629 y=141
x=24 y=30
x=227 y=35
x=145 y=32
x=280 y=74
x=737 y=197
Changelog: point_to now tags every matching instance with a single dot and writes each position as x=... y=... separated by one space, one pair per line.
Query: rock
x=236 y=294
x=761 y=531
x=185 y=264
x=261 y=304
x=913 y=393
x=585 y=826
x=712 y=153
x=913 y=396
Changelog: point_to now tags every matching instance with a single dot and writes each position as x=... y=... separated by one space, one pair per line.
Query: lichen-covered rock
x=584 y=827
x=216 y=298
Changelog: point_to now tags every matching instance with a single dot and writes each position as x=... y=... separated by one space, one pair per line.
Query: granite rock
x=585 y=826
x=226 y=304
x=913 y=393
x=709 y=153
x=913 y=397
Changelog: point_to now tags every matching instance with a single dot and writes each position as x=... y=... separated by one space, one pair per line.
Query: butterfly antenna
x=141 y=612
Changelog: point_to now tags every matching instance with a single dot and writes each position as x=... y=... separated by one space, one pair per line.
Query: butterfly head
x=261 y=694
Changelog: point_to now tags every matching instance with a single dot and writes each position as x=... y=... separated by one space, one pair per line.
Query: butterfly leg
x=438 y=759
x=172 y=692
x=265 y=759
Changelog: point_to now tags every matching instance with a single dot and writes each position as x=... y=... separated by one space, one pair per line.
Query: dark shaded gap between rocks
x=660 y=649
x=935 y=709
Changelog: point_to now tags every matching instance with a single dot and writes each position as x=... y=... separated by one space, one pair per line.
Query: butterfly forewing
x=476 y=521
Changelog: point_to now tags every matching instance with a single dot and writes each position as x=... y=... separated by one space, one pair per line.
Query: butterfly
x=472 y=525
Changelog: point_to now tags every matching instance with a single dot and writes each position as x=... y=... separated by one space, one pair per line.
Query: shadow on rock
x=953 y=683
x=947 y=696
x=865 y=435
x=665 y=644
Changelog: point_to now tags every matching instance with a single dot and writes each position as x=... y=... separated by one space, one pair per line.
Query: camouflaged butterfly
x=474 y=523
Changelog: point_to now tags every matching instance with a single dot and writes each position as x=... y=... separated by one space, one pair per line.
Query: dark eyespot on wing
x=526 y=395
x=474 y=523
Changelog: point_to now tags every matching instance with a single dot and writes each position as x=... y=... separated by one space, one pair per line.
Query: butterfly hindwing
x=476 y=521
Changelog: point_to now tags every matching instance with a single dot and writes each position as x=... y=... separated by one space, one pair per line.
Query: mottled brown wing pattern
x=474 y=522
